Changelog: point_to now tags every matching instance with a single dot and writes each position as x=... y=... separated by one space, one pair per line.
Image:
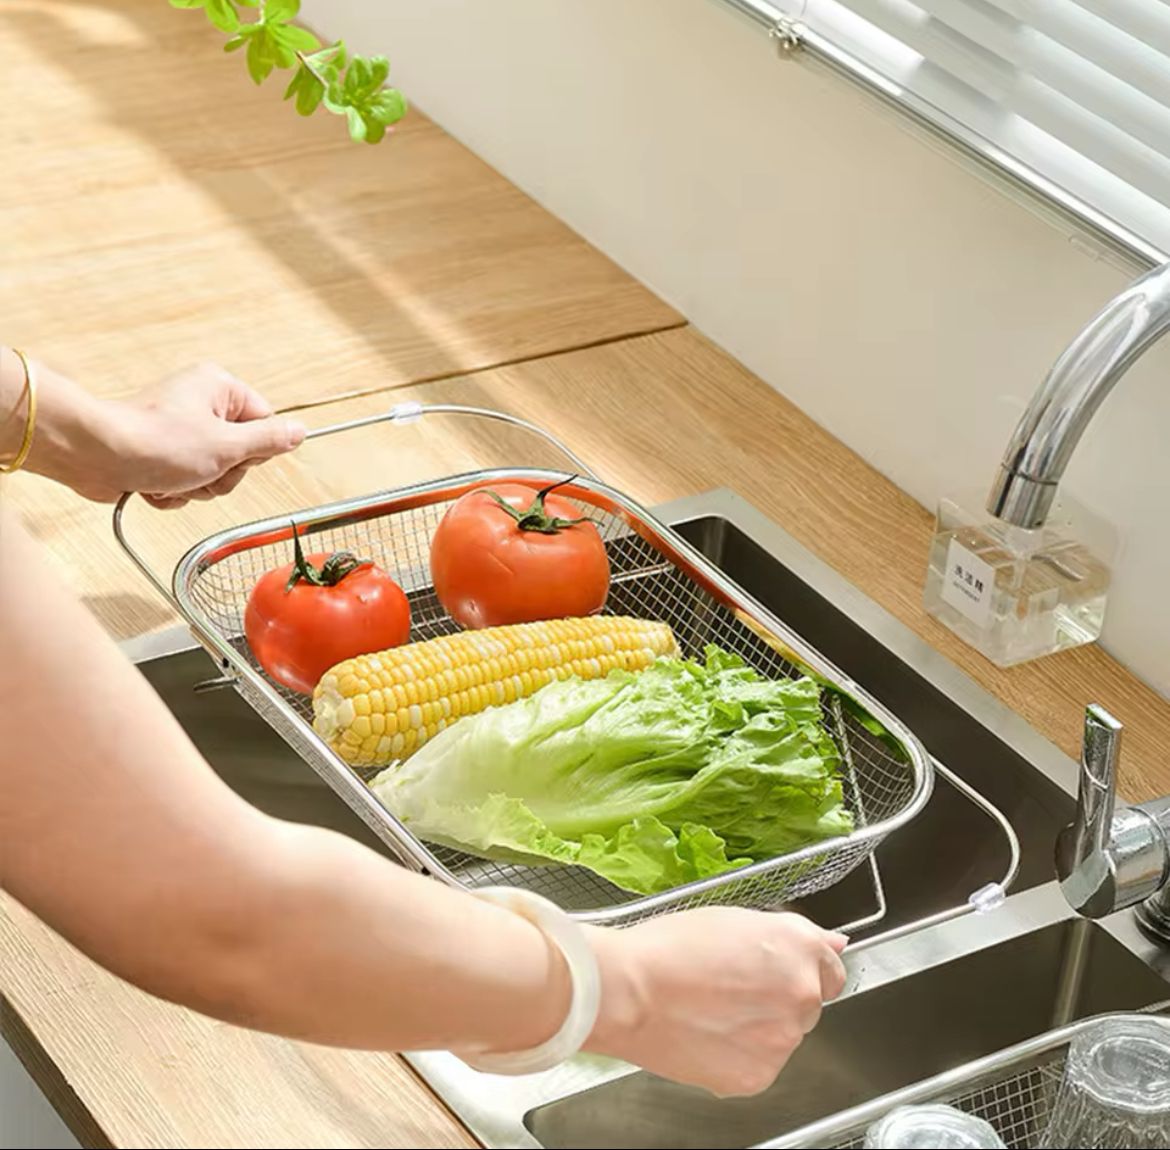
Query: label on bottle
x=968 y=584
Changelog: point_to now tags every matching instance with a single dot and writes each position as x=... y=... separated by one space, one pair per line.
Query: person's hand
x=192 y=437
x=199 y=432
x=718 y=997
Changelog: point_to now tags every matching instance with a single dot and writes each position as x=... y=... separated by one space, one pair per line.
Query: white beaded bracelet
x=584 y=977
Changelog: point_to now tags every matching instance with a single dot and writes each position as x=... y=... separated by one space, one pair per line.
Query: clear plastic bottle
x=1013 y=593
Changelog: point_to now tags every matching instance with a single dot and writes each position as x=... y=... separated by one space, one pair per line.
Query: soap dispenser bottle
x=1016 y=593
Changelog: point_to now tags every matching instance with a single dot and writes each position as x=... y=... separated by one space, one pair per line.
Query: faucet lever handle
x=1083 y=860
x=1097 y=787
x=1111 y=859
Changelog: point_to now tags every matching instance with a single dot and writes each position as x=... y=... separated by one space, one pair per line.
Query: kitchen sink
x=929 y=986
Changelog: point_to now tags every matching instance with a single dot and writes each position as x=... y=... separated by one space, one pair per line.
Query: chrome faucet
x=1076 y=386
x=1110 y=859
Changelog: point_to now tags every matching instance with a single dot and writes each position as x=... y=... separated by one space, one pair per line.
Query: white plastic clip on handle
x=408 y=412
x=988 y=898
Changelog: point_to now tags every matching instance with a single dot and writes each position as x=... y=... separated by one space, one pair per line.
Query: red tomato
x=310 y=615
x=511 y=554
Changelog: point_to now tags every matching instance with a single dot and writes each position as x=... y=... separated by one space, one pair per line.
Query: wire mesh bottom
x=1018 y=1106
x=882 y=779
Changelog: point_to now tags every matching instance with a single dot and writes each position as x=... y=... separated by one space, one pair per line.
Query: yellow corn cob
x=378 y=708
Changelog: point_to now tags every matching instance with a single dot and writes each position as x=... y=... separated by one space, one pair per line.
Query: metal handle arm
x=403 y=413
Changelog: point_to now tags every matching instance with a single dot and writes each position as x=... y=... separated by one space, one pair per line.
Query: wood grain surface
x=128 y=1070
x=158 y=209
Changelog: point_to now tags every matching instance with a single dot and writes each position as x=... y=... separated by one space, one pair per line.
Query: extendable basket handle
x=408 y=412
x=411 y=412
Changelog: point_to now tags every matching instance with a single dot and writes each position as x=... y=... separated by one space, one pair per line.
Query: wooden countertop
x=157 y=207
x=200 y=232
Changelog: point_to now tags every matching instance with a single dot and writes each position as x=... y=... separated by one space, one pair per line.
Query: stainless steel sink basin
x=875 y=1042
x=916 y=1004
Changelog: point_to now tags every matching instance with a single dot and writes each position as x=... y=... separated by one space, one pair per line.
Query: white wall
x=903 y=302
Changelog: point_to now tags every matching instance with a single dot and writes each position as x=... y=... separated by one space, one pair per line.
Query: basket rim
x=412 y=851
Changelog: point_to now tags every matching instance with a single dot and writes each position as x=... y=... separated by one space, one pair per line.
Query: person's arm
x=114 y=830
x=193 y=437
x=119 y=836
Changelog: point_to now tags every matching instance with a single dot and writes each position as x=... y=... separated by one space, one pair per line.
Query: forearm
x=344 y=948
x=114 y=830
x=76 y=434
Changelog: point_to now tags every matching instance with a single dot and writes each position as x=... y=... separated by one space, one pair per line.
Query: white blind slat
x=1068 y=28
x=1068 y=87
x=1146 y=21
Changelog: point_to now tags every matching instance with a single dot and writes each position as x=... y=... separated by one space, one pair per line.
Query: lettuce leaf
x=651 y=780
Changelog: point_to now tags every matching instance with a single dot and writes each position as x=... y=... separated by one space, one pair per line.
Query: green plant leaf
x=327 y=63
x=296 y=38
x=268 y=48
x=335 y=98
x=223 y=14
x=307 y=89
x=260 y=61
x=357 y=126
x=356 y=76
x=351 y=87
x=309 y=97
x=389 y=106
x=379 y=71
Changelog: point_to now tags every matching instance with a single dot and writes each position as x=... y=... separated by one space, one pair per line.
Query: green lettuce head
x=650 y=780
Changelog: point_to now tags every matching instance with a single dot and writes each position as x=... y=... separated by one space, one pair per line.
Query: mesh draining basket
x=1015 y=1090
x=655 y=575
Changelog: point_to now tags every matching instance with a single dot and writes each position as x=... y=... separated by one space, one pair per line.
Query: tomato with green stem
x=511 y=554
x=319 y=610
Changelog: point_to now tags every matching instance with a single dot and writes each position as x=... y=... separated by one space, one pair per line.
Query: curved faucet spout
x=1076 y=386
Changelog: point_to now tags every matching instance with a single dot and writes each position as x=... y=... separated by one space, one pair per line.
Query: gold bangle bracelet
x=30 y=426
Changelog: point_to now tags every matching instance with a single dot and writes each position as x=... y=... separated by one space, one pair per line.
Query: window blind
x=1076 y=91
